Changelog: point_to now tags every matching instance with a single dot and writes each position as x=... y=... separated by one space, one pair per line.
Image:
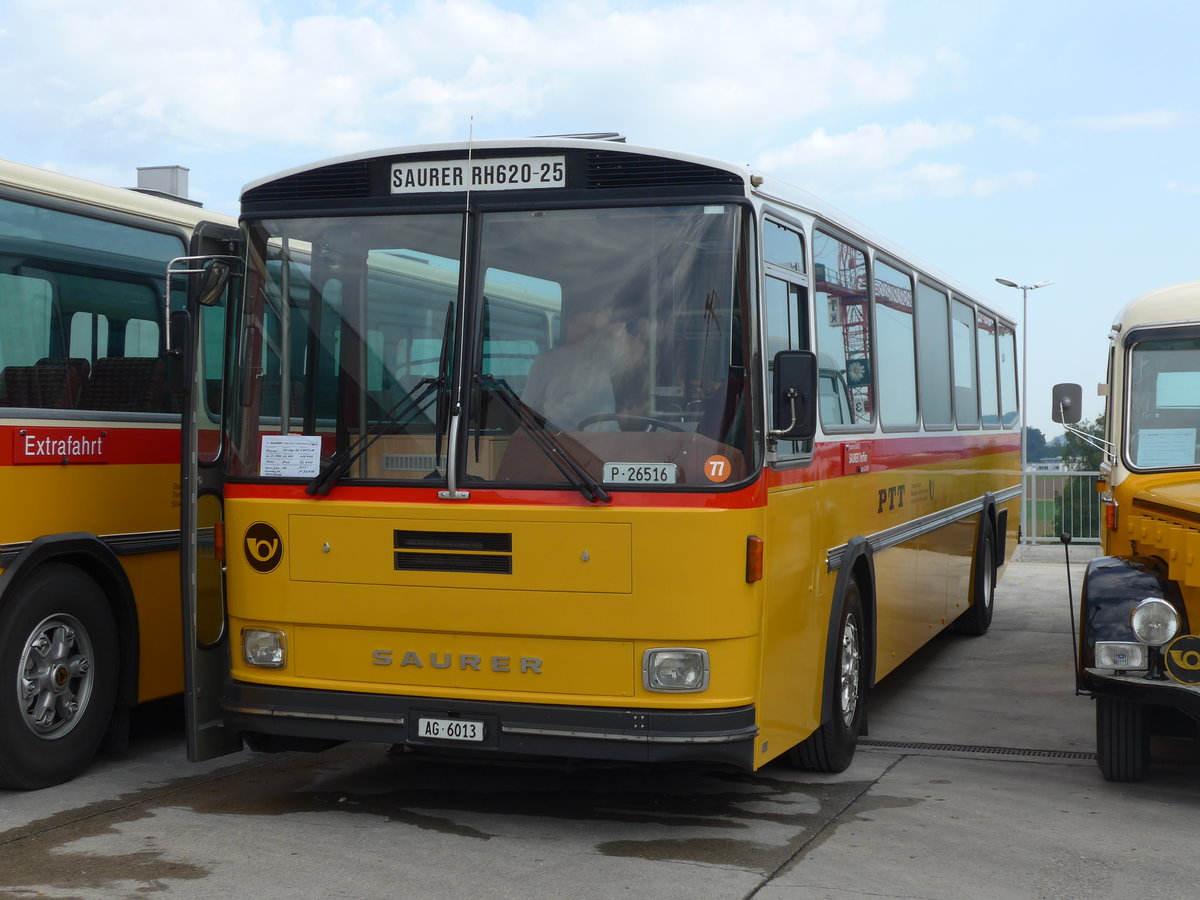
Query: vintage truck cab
x=1139 y=622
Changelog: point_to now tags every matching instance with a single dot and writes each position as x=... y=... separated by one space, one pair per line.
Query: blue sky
x=1035 y=141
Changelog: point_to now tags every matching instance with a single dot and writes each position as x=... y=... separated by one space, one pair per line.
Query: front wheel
x=1122 y=739
x=831 y=747
x=58 y=677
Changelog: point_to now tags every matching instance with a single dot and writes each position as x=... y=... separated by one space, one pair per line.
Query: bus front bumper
x=1137 y=688
x=294 y=717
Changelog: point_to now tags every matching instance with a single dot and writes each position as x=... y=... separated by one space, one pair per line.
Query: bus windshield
x=605 y=346
x=1164 y=404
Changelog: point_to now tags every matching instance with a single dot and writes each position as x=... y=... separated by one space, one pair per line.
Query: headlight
x=262 y=647
x=1154 y=621
x=675 y=669
x=1120 y=655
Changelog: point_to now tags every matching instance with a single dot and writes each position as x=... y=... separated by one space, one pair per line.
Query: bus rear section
x=89 y=468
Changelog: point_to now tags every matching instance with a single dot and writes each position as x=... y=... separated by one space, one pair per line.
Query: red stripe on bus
x=36 y=444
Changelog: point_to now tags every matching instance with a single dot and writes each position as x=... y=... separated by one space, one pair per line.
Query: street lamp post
x=1024 y=289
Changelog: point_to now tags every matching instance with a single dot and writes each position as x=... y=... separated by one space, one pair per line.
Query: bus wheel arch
x=976 y=619
x=64 y=600
x=849 y=667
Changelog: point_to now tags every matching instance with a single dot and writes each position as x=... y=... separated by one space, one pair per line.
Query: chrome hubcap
x=850 y=659
x=54 y=678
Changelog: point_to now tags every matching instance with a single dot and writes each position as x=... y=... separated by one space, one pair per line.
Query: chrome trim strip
x=131 y=544
x=325 y=717
x=631 y=738
x=907 y=531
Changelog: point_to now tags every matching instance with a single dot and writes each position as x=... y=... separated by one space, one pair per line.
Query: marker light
x=1154 y=621
x=675 y=669
x=264 y=648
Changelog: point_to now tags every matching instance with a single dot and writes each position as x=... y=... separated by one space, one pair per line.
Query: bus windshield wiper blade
x=533 y=423
x=341 y=461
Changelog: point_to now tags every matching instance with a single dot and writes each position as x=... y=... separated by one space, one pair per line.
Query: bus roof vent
x=333 y=182
x=614 y=136
x=613 y=169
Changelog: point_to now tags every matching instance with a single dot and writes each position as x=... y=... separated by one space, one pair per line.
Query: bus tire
x=58 y=677
x=831 y=747
x=1122 y=739
x=977 y=618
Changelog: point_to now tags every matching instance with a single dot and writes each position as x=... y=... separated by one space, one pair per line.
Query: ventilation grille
x=486 y=563
x=343 y=180
x=492 y=542
x=606 y=169
x=485 y=552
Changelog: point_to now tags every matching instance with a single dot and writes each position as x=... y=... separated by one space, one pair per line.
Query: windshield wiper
x=341 y=461
x=534 y=424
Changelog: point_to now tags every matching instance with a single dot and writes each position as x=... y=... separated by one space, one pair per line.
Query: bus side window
x=27 y=305
x=966 y=396
x=843 y=322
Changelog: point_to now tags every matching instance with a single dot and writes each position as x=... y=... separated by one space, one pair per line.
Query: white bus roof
x=1164 y=306
x=69 y=188
x=760 y=185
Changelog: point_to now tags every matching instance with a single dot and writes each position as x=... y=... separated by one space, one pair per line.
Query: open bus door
x=199 y=336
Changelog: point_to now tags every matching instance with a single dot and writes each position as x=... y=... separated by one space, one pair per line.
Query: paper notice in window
x=1162 y=448
x=290 y=456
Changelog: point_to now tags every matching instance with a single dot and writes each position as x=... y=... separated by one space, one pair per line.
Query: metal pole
x=1024 y=406
x=1024 y=289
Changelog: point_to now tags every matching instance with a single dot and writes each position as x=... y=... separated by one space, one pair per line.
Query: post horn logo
x=1183 y=659
x=264 y=547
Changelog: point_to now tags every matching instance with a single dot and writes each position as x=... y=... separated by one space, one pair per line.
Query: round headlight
x=1154 y=621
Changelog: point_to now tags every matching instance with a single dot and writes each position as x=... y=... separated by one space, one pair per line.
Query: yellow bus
x=570 y=448
x=1139 y=643
x=89 y=459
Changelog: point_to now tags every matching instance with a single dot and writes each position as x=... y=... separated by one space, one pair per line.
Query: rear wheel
x=831 y=747
x=977 y=618
x=58 y=677
x=1122 y=739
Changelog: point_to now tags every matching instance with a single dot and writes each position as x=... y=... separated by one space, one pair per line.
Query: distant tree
x=1079 y=455
x=1035 y=444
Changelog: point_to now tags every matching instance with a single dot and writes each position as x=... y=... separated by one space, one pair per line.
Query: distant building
x=1047 y=464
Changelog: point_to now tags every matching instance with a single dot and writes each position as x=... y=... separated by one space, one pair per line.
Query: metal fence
x=1062 y=501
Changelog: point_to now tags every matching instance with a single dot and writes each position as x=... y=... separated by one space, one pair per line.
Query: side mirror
x=1068 y=404
x=212 y=281
x=794 y=383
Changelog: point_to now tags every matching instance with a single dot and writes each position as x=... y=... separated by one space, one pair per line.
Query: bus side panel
x=154 y=578
x=794 y=625
x=125 y=506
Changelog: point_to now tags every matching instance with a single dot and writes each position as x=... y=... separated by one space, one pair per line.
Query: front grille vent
x=485 y=563
x=485 y=552
x=341 y=180
x=606 y=169
x=492 y=542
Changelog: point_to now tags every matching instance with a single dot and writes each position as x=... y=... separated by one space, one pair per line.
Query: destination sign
x=508 y=174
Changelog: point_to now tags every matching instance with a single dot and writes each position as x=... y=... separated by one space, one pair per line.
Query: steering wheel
x=645 y=422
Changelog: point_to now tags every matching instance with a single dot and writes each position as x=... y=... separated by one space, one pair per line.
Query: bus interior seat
x=51 y=384
x=127 y=384
x=78 y=370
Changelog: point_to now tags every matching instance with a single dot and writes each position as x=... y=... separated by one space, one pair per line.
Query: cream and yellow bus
x=1139 y=641
x=89 y=460
x=569 y=448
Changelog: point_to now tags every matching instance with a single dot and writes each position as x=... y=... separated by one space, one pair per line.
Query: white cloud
x=867 y=148
x=390 y=72
x=1181 y=188
x=1015 y=127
